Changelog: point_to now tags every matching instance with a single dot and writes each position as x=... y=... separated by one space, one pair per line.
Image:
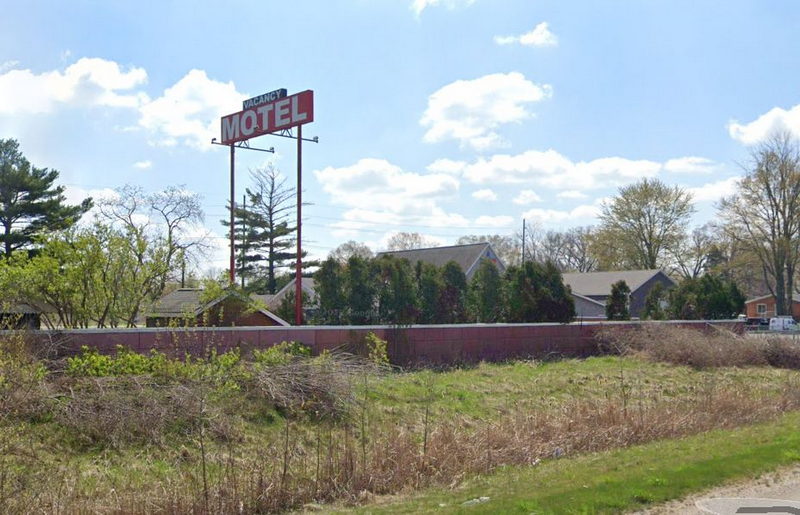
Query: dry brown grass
x=333 y=465
x=700 y=349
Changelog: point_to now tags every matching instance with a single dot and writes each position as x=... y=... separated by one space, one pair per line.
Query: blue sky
x=445 y=117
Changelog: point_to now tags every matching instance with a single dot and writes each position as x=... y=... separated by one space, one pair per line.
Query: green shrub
x=281 y=353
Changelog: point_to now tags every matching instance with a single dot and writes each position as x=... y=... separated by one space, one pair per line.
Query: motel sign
x=265 y=118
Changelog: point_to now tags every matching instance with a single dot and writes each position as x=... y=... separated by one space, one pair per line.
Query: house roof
x=187 y=301
x=465 y=255
x=795 y=298
x=308 y=285
x=179 y=302
x=587 y=299
x=599 y=283
x=18 y=308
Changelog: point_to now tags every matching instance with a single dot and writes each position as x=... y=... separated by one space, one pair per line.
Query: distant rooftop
x=466 y=256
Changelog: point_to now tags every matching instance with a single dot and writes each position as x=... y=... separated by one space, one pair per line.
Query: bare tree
x=167 y=219
x=350 y=248
x=692 y=254
x=577 y=251
x=505 y=246
x=764 y=214
x=409 y=241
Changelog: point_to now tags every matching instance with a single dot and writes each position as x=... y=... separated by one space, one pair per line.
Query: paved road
x=778 y=490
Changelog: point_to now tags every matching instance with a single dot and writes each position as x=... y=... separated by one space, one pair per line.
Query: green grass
x=623 y=479
x=488 y=391
x=482 y=393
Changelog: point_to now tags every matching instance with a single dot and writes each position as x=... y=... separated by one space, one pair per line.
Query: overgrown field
x=280 y=430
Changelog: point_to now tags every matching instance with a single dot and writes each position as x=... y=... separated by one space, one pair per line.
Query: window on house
x=761 y=309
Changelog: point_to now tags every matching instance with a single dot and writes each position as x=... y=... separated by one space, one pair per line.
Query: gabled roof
x=599 y=283
x=308 y=285
x=795 y=298
x=587 y=299
x=186 y=301
x=467 y=256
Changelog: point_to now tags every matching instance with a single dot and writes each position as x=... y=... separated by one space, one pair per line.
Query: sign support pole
x=232 y=273
x=298 y=280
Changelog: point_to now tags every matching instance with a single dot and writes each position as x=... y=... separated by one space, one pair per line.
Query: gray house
x=468 y=256
x=596 y=286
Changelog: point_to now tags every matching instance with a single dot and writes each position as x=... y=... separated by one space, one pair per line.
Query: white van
x=782 y=323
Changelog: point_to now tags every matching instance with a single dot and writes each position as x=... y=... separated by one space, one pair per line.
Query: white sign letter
x=296 y=116
x=249 y=128
x=230 y=127
x=263 y=112
x=282 y=113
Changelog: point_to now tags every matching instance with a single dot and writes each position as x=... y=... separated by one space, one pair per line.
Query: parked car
x=782 y=323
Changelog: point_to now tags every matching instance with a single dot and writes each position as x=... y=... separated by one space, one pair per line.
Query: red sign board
x=285 y=113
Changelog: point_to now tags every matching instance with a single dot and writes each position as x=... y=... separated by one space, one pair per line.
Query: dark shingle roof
x=179 y=302
x=599 y=283
x=19 y=308
x=465 y=255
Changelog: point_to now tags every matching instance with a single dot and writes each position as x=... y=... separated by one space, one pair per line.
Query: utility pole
x=244 y=235
x=523 y=241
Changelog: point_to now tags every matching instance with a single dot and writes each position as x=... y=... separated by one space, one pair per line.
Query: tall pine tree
x=29 y=202
x=264 y=229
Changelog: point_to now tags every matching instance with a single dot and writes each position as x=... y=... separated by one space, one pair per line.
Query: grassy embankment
x=224 y=434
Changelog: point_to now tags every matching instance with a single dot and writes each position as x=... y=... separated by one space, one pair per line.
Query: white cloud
x=540 y=36
x=527 y=197
x=143 y=165
x=494 y=222
x=571 y=194
x=447 y=166
x=87 y=82
x=581 y=215
x=383 y=195
x=776 y=119
x=485 y=194
x=420 y=5
x=554 y=170
x=469 y=111
x=378 y=184
x=714 y=191
x=188 y=112
x=691 y=165
x=8 y=65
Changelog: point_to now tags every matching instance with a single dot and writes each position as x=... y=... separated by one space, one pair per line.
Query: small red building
x=764 y=307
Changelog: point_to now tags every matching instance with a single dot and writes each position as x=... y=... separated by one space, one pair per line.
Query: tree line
x=388 y=290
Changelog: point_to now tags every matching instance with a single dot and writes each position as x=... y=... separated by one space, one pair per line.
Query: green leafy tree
x=654 y=303
x=452 y=296
x=30 y=203
x=396 y=291
x=330 y=291
x=92 y=276
x=359 y=291
x=617 y=302
x=286 y=307
x=429 y=287
x=709 y=297
x=536 y=293
x=486 y=300
x=643 y=226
